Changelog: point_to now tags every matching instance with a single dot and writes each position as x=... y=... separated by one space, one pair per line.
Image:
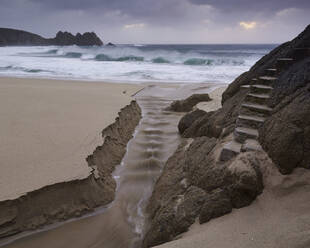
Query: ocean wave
x=73 y=55
x=130 y=58
x=104 y=57
x=164 y=63
x=5 y=68
x=160 y=60
x=197 y=61
x=52 y=51
x=23 y=69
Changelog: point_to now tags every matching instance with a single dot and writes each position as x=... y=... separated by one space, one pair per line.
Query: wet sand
x=122 y=224
x=49 y=127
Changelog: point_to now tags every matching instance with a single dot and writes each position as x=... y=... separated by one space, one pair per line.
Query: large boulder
x=243 y=179
x=216 y=204
x=188 y=119
x=175 y=217
x=188 y=104
x=194 y=184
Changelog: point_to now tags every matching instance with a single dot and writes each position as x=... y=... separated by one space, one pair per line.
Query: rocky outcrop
x=187 y=120
x=65 y=200
x=67 y=39
x=13 y=37
x=288 y=99
x=195 y=185
x=188 y=104
x=110 y=44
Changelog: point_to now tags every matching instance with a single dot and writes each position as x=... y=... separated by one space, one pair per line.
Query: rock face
x=194 y=185
x=13 y=37
x=188 y=104
x=289 y=100
x=187 y=120
x=286 y=135
x=65 y=200
x=214 y=187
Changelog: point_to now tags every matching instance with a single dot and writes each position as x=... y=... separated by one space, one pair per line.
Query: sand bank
x=49 y=127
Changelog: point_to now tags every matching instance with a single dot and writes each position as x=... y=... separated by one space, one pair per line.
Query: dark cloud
x=131 y=7
x=153 y=7
x=163 y=20
x=254 y=5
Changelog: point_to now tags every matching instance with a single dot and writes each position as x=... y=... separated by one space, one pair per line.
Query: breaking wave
x=165 y=63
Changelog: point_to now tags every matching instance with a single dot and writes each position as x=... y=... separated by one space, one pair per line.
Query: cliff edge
x=14 y=37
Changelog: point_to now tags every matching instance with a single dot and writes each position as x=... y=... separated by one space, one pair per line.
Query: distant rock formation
x=110 y=44
x=13 y=37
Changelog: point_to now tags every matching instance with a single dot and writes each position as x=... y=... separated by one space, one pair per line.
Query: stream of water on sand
x=122 y=223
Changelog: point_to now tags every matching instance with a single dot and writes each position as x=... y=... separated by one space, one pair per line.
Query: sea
x=133 y=63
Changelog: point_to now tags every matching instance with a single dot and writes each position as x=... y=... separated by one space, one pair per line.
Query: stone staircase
x=254 y=109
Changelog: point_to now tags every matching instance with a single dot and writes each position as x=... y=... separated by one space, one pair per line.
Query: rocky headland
x=14 y=37
x=221 y=163
x=62 y=201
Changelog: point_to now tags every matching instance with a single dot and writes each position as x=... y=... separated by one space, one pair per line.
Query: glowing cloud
x=134 y=25
x=248 y=25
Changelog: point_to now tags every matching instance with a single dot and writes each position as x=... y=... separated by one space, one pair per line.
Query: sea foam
x=132 y=63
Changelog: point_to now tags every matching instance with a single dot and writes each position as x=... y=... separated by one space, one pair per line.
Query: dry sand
x=278 y=218
x=48 y=127
x=215 y=104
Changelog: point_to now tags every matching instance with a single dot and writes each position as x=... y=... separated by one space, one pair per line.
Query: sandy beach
x=167 y=124
x=49 y=127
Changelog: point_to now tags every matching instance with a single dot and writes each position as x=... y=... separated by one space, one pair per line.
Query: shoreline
x=111 y=81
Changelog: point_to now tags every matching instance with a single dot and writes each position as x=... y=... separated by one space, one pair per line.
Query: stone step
x=271 y=72
x=251 y=145
x=250 y=121
x=301 y=53
x=254 y=81
x=230 y=150
x=257 y=98
x=283 y=63
x=260 y=89
x=256 y=108
x=245 y=87
x=244 y=133
x=267 y=80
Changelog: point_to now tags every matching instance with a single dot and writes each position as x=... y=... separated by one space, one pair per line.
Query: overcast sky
x=162 y=21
